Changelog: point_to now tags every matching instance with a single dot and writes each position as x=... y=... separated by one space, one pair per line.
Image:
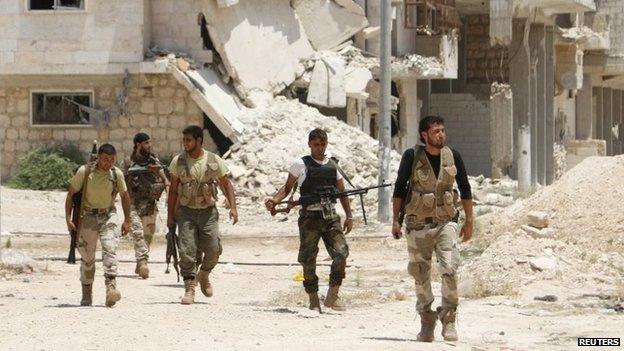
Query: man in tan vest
x=195 y=176
x=100 y=183
x=424 y=192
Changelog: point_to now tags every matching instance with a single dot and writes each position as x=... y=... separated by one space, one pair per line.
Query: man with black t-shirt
x=424 y=193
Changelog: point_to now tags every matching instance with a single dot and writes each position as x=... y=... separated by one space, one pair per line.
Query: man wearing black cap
x=146 y=181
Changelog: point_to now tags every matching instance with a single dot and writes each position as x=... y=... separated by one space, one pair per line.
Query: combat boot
x=112 y=294
x=334 y=301
x=204 y=282
x=141 y=269
x=427 y=326
x=189 y=291
x=447 y=317
x=87 y=295
x=315 y=304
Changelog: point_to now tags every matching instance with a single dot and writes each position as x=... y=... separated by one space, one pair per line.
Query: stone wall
x=157 y=105
x=483 y=62
x=467 y=127
x=40 y=42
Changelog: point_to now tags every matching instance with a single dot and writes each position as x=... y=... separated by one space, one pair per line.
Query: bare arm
x=125 y=205
x=163 y=177
x=281 y=194
x=346 y=205
x=466 y=231
x=68 y=209
x=172 y=200
x=228 y=190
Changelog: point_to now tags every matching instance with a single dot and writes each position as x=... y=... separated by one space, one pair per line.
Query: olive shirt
x=197 y=166
x=100 y=186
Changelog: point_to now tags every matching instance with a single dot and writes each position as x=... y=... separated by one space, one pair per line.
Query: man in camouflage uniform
x=311 y=172
x=100 y=183
x=146 y=180
x=195 y=176
x=424 y=191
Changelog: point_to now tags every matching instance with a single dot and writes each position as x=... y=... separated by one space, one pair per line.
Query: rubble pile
x=15 y=262
x=570 y=231
x=277 y=135
x=491 y=194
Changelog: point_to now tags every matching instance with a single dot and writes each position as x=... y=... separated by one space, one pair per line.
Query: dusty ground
x=257 y=304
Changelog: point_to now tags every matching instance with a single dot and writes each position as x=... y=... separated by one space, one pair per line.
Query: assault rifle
x=172 y=250
x=77 y=209
x=151 y=162
x=324 y=195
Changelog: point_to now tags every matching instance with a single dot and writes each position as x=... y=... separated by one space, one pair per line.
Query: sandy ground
x=257 y=303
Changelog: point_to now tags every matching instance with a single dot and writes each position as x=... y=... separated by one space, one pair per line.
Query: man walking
x=312 y=172
x=100 y=183
x=146 y=181
x=424 y=192
x=195 y=176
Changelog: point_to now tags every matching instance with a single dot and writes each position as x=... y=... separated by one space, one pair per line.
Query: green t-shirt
x=100 y=186
x=197 y=166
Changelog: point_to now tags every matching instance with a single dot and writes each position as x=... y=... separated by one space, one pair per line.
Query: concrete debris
x=538 y=219
x=275 y=136
x=585 y=200
x=226 y=3
x=536 y=232
x=330 y=23
x=546 y=298
x=560 y=156
x=356 y=81
x=327 y=85
x=543 y=263
x=260 y=42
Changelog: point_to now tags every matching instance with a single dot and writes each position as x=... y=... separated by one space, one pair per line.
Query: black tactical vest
x=318 y=175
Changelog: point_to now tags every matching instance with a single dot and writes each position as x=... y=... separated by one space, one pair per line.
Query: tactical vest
x=145 y=188
x=198 y=194
x=317 y=175
x=431 y=199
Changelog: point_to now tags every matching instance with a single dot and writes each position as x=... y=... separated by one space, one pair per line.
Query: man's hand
x=348 y=225
x=466 y=231
x=125 y=227
x=270 y=206
x=234 y=215
x=71 y=227
x=396 y=230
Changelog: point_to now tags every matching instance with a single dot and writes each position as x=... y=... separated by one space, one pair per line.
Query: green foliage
x=68 y=151
x=44 y=169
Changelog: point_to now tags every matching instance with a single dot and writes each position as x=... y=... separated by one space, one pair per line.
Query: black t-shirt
x=405 y=173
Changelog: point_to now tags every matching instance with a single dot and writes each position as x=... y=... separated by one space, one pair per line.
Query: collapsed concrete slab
x=330 y=23
x=214 y=98
x=327 y=85
x=356 y=80
x=261 y=43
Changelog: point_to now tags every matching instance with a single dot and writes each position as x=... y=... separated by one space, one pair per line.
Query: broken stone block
x=330 y=23
x=226 y=3
x=542 y=263
x=538 y=233
x=250 y=160
x=327 y=86
x=237 y=171
x=538 y=219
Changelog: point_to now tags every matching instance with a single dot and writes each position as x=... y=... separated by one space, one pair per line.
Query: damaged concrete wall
x=467 y=127
x=42 y=42
x=261 y=43
x=157 y=104
x=614 y=11
x=484 y=64
x=330 y=23
x=176 y=27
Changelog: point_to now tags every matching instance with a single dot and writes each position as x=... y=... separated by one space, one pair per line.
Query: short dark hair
x=195 y=131
x=425 y=124
x=317 y=133
x=107 y=149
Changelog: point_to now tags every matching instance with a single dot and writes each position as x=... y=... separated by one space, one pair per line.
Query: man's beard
x=437 y=146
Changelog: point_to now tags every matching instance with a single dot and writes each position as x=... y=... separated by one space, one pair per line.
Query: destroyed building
x=77 y=70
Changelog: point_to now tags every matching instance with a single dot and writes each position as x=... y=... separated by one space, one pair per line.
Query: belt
x=97 y=211
x=429 y=224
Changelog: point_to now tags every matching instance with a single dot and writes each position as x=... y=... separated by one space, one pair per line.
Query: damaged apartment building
x=72 y=71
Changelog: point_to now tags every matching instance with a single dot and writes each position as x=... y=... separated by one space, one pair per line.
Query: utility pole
x=385 y=146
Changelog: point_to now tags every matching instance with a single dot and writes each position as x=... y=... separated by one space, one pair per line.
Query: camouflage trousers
x=312 y=228
x=198 y=231
x=93 y=227
x=442 y=239
x=142 y=230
